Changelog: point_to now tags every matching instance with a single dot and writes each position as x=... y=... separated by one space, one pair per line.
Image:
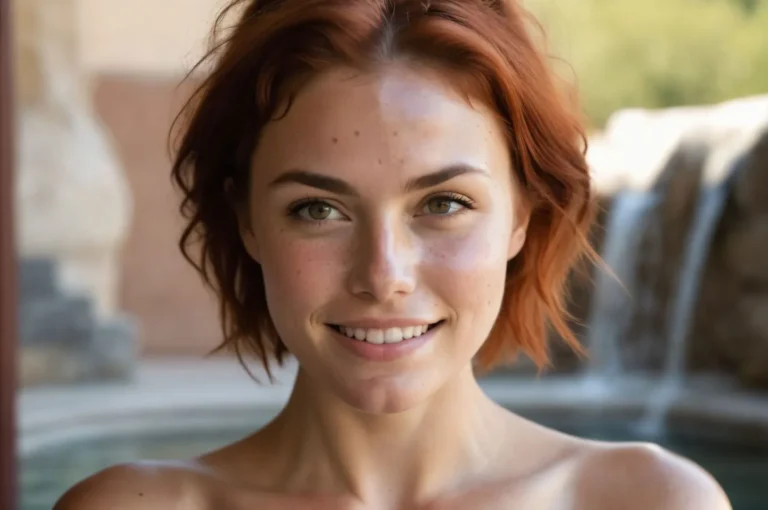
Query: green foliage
x=658 y=53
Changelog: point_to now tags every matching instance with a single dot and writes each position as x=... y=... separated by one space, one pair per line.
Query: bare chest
x=549 y=492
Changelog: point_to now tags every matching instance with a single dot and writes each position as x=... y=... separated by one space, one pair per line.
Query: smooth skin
x=390 y=196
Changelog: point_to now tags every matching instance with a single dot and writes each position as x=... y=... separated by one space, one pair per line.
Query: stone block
x=62 y=338
x=64 y=322
x=114 y=348
x=37 y=279
x=46 y=365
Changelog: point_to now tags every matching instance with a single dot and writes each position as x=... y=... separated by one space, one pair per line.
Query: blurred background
x=115 y=328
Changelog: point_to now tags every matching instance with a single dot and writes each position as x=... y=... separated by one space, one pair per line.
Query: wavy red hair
x=483 y=47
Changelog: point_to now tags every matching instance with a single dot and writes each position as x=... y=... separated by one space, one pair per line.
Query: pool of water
x=742 y=469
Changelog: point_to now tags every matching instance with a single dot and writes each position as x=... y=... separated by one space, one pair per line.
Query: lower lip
x=384 y=352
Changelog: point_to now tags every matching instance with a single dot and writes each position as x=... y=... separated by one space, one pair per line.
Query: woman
x=393 y=192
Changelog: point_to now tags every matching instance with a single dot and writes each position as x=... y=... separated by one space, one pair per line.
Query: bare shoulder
x=641 y=476
x=144 y=485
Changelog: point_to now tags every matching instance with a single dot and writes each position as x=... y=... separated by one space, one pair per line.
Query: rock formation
x=73 y=208
x=674 y=156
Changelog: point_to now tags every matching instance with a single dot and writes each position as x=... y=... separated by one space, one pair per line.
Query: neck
x=386 y=460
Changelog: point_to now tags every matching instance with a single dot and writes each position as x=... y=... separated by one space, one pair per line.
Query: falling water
x=611 y=311
x=708 y=211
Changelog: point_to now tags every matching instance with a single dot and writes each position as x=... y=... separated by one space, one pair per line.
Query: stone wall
x=178 y=316
x=730 y=330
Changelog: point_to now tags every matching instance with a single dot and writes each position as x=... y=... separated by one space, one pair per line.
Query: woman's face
x=382 y=205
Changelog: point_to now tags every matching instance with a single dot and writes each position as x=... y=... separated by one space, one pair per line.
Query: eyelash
x=296 y=207
x=465 y=202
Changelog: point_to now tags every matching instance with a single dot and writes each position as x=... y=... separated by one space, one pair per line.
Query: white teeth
x=393 y=335
x=375 y=336
x=389 y=336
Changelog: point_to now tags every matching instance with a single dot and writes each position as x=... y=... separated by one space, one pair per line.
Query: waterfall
x=709 y=209
x=612 y=308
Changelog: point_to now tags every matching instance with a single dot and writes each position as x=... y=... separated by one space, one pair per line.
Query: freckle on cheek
x=335 y=140
x=357 y=133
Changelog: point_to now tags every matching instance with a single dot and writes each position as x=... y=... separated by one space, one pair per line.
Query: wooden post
x=8 y=269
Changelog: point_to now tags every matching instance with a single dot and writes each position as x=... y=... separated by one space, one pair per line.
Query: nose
x=382 y=262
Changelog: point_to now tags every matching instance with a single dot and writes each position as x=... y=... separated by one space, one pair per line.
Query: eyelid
x=295 y=207
x=309 y=200
x=452 y=196
x=298 y=205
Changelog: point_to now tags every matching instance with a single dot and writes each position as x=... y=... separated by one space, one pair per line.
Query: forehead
x=400 y=118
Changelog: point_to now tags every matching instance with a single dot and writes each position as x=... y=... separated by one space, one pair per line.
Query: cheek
x=299 y=276
x=468 y=271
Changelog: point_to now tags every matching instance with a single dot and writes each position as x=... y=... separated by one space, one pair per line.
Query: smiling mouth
x=384 y=336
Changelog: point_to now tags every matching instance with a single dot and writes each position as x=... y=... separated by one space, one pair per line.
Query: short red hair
x=484 y=48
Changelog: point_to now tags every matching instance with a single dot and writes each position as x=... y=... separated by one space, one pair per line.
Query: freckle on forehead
x=335 y=140
x=357 y=133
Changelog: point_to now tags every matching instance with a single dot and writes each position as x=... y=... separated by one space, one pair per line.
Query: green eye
x=441 y=206
x=319 y=211
x=315 y=211
x=447 y=205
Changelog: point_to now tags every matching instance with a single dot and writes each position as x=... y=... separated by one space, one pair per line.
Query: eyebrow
x=314 y=180
x=341 y=187
x=441 y=176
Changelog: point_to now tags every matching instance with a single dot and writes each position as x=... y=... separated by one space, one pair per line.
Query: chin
x=387 y=395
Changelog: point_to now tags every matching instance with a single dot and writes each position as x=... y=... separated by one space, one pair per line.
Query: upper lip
x=383 y=323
